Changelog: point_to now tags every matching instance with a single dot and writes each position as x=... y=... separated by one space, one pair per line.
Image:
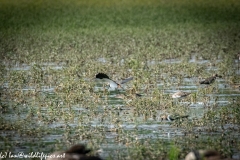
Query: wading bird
x=76 y=152
x=180 y=94
x=237 y=87
x=173 y=117
x=124 y=96
x=210 y=79
x=113 y=84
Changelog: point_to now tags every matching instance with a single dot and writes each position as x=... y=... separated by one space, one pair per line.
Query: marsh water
x=115 y=123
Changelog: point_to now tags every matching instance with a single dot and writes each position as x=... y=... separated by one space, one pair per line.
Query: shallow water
x=116 y=115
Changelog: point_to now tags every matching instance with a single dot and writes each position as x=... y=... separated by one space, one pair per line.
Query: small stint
x=113 y=84
x=205 y=154
x=210 y=80
x=180 y=94
x=235 y=86
x=76 y=152
x=132 y=96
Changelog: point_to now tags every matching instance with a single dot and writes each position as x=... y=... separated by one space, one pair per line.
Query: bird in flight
x=113 y=84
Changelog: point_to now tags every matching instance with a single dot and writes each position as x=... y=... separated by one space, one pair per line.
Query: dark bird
x=113 y=84
x=76 y=152
x=205 y=155
x=210 y=79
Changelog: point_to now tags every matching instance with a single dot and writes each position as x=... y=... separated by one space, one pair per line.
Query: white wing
x=126 y=80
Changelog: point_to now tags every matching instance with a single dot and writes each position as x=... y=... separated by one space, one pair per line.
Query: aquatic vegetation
x=173 y=153
x=50 y=54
